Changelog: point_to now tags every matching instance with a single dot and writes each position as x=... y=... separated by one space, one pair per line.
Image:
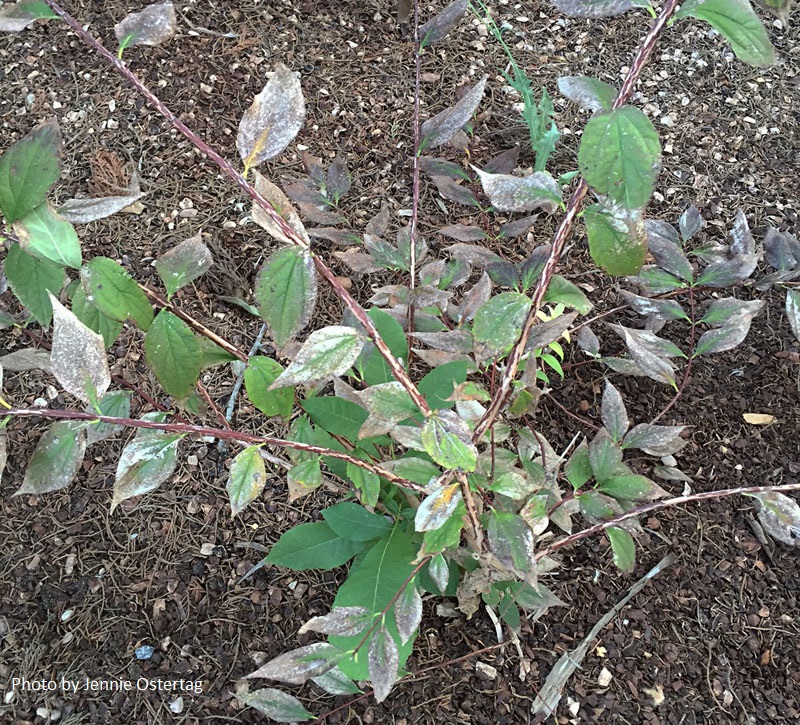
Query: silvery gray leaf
x=742 y=241
x=728 y=272
x=408 y=612
x=660 y=309
x=440 y=25
x=514 y=193
x=383 y=660
x=543 y=333
x=656 y=440
x=83 y=211
x=663 y=243
x=299 y=665
x=463 y=233
x=590 y=93
x=450 y=341
x=341 y=622
x=472 y=253
x=26 y=359
x=613 y=413
x=453 y=191
x=336 y=682
x=793 y=311
x=781 y=250
x=588 y=341
x=594 y=8
x=780 y=516
x=690 y=223
x=445 y=125
x=474 y=298
x=151 y=26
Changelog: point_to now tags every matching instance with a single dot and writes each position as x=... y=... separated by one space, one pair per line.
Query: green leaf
x=90 y=316
x=372 y=583
x=498 y=322
x=146 y=462
x=736 y=21
x=354 y=522
x=29 y=168
x=373 y=368
x=388 y=404
x=326 y=353
x=511 y=540
x=286 y=292
x=275 y=704
x=595 y=506
x=605 y=456
x=448 y=535
x=303 y=478
x=31 y=279
x=578 y=469
x=56 y=458
x=183 y=264
x=312 y=546
x=561 y=291
x=115 y=293
x=617 y=244
x=43 y=233
x=623 y=546
x=248 y=477
x=261 y=372
x=620 y=156
x=365 y=481
x=631 y=487
x=437 y=386
x=446 y=448
x=117 y=405
x=591 y=93
x=174 y=354
x=212 y=354
x=336 y=415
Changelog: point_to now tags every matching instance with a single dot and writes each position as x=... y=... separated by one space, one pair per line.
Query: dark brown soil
x=714 y=639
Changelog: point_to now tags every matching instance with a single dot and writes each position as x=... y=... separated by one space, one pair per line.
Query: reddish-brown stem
x=227 y=168
x=211 y=404
x=219 y=433
x=564 y=232
x=581 y=420
x=657 y=506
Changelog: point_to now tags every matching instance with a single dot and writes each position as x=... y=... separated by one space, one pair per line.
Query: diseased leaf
x=655 y=308
x=445 y=125
x=475 y=298
x=408 y=612
x=732 y=319
x=338 y=180
x=793 y=311
x=259 y=375
x=336 y=682
x=43 y=233
x=781 y=250
x=286 y=292
x=590 y=93
x=736 y=21
x=632 y=487
x=299 y=665
x=341 y=621
x=274 y=119
x=620 y=156
x=562 y=291
x=655 y=281
x=441 y=24
x=15 y=17
x=513 y=193
x=605 y=457
x=613 y=413
x=184 y=263
x=174 y=354
x=388 y=404
x=728 y=272
x=453 y=191
x=26 y=359
x=383 y=661
x=690 y=223
x=517 y=227
x=780 y=516
x=438 y=167
x=651 y=358
x=116 y=404
x=32 y=280
x=326 y=353
x=282 y=206
x=439 y=572
x=146 y=462
x=78 y=356
x=503 y=163
x=656 y=440
x=438 y=508
x=56 y=458
x=312 y=546
x=617 y=241
x=109 y=286
x=623 y=547
x=337 y=236
x=30 y=167
x=276 y=705
x=596 y=506
x=88 y=313
x=578 y=468
x=152 y=26
x=511 y=540
x=447 y=441
x=742 y=241
x=544 y=333
x=595 y=8
x=83 y=211
x=463 y=233
x=303 y=478
x=248 y=476
x=498 y=322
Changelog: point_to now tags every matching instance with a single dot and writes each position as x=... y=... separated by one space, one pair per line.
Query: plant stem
x=657 y=506
x=564 y=232
x=227 y=168
x=219 y=433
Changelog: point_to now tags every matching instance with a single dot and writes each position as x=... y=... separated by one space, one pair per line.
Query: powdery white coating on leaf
x=275 y=704
x=83 y=211
x=445 y=125
x=284 y=208
x=587 y=92
x=3 y=451
x=151 y=26
x=613 y=413
x=742 y=241
x=793 y=311
x=780 y=516
x=408 y=612
x=184 y=263
x=513 y=193
x=298 y=665
x=440 y=25
x=733 y=328
x=437 y=508
x=26 y=359
x=336 y=682
x=691 y=222
x=78 y=355
x=657 y=440
x=274 y=119
x=326 y=353
x=341 y=621
x=15 y=17
x=543 y=333
x=439 y=572
x=383 y=660
x=56 y=459
x=594 y=8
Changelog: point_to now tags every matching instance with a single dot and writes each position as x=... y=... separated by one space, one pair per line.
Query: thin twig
x=230 y=435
